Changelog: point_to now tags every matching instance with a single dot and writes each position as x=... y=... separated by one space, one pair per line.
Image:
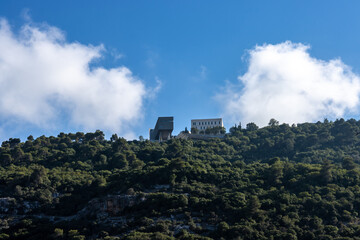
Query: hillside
x=276 y=182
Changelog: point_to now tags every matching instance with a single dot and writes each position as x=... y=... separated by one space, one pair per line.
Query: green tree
x=251 y=126
x=326 y=171
x=273 y=122
x=119 y=160
x=172 y=179
x=194 y=131
x=348 y=163
x=58 y=233
x=253 y=205
x=276 y=171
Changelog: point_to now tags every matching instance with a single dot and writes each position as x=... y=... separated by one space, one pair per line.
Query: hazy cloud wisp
x=284 y=82
x=43 y=78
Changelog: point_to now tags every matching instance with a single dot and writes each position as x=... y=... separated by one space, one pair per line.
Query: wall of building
x=202 y=124
x=164 y=135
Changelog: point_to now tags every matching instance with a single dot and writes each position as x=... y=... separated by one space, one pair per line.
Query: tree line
x=277 y=182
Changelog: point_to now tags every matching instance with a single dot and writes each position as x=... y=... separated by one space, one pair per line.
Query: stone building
x=203 y=124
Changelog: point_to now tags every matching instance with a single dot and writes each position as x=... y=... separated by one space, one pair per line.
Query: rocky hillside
x=276 y=182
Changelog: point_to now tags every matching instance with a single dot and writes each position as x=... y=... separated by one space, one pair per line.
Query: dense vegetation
x=276 y=182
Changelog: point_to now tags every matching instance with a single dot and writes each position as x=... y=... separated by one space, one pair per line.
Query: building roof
x=206 y=119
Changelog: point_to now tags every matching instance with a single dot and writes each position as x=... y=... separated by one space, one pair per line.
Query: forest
x=276 y=182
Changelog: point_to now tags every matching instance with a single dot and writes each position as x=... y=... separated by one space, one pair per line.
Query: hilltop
x=280 y=181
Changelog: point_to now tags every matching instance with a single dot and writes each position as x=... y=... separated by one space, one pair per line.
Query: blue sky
x=186 y=58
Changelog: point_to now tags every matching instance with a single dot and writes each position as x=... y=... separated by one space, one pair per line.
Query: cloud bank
x=46 y=81
x=284 y=82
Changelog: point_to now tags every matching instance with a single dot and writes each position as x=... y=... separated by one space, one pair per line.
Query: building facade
x=163 y=129
x=203 y=124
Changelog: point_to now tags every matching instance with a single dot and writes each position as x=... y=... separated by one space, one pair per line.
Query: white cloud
x=203 y=72
x=115 y=54
x=45 y=80
x=284 y=82
x=25 y=13
x=152 y=59
x=200 y=75
x=155 y=90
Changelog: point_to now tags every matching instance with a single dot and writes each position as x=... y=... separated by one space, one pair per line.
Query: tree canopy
x=277 y=182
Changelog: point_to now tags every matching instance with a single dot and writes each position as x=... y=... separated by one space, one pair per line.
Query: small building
x=163 y=129
x=203 y=124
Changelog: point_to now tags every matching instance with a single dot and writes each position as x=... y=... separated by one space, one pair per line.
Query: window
x=194 y=123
